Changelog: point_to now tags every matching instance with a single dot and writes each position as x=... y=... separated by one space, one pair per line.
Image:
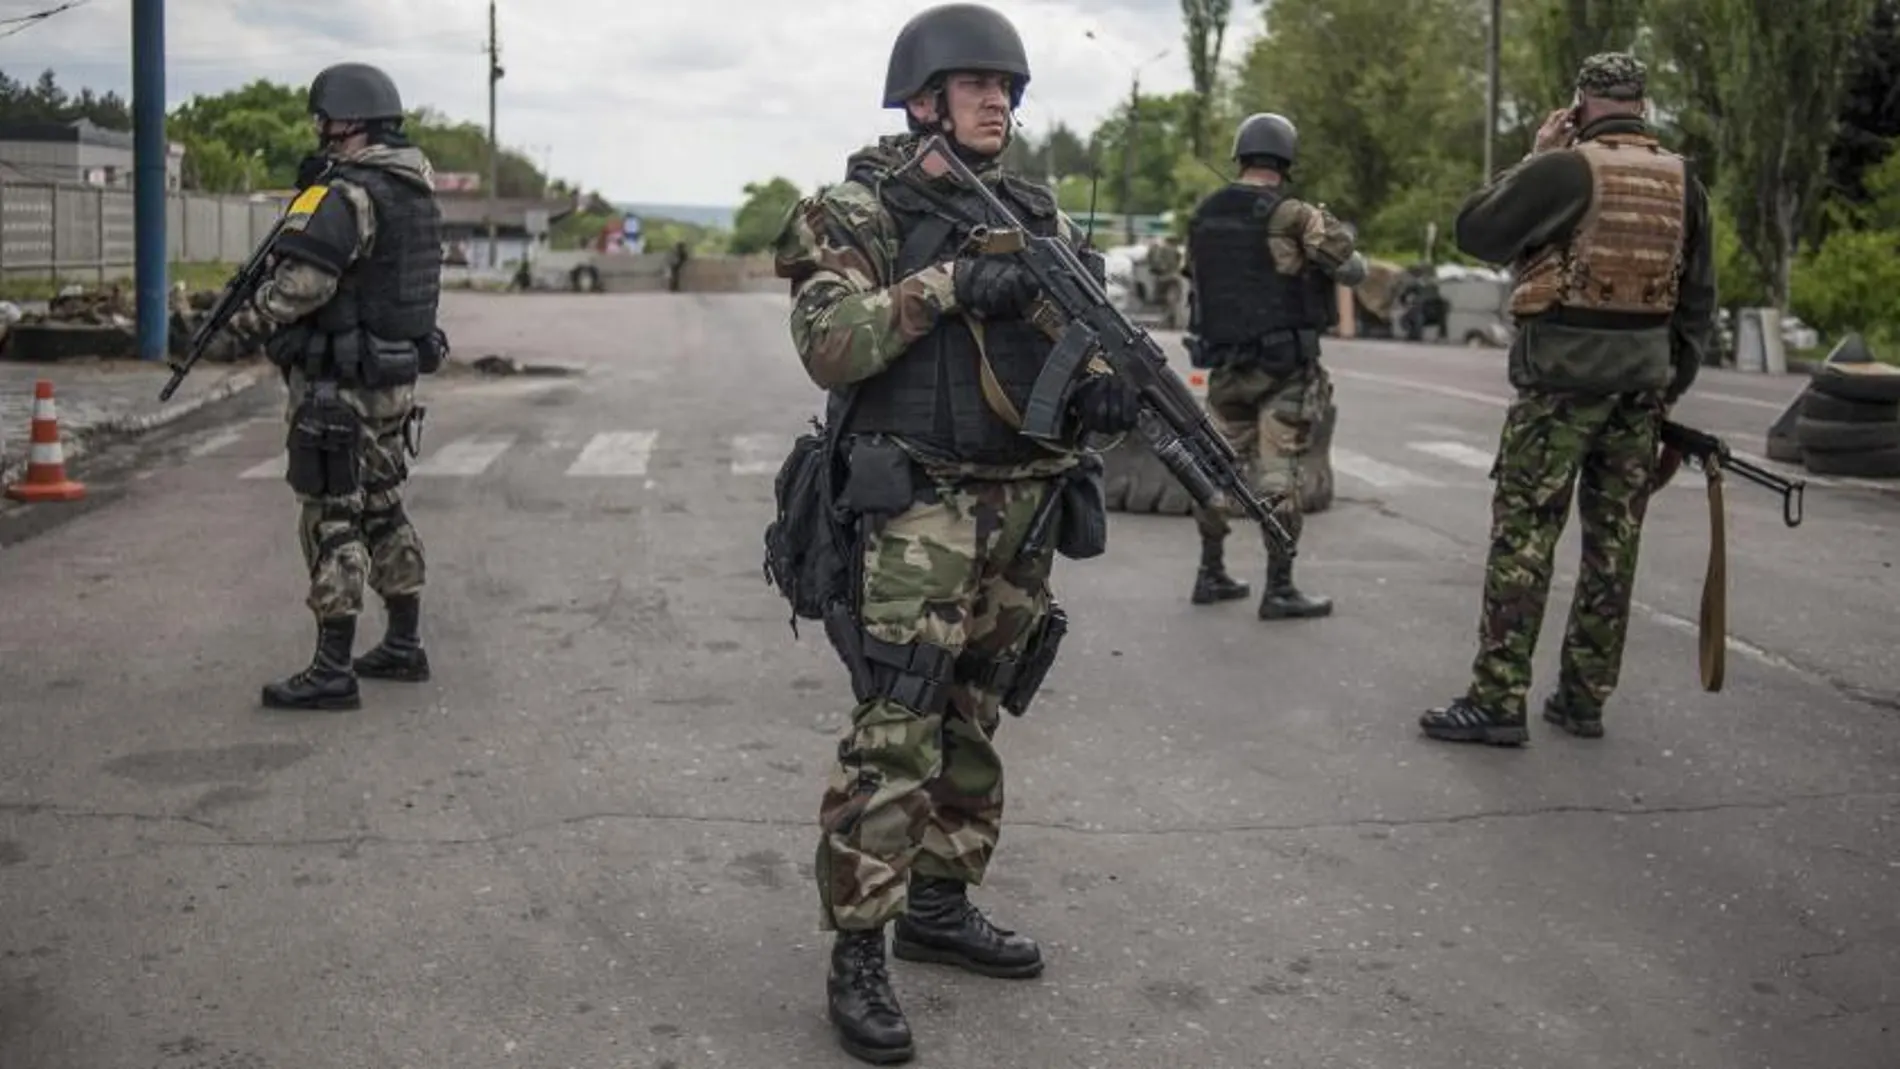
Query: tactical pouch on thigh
x=322 y=446
x=1082 y=514
x=1037 y=658
x=1200 y=354
x=807 y=551
x=432 y=351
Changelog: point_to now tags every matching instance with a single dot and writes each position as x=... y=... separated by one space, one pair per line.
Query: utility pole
x=1491 y=89
x=1128 y=157
x=151 y=153
x=494 y=146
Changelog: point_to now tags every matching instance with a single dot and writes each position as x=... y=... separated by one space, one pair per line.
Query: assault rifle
x=1088 y=323
x=237 y=293
x=1712 y=453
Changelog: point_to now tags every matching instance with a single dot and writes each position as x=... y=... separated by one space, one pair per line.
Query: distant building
x=521 y=223
x=76 y=152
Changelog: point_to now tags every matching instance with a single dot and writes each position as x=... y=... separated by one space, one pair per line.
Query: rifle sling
x=1712 y=634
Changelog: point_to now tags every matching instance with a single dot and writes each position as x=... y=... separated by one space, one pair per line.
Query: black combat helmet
x=350 y=92
x=1267 y=134
x=954 y=37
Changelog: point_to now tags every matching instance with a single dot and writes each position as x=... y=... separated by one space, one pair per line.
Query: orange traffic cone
x=46 y=468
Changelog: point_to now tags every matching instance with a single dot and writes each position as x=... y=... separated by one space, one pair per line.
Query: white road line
x=615 y=453
x=1457 y=453
x=227 y=436
x=758 y=454
x=1734 y=399
x=1428 y=387
x=464 y=456
x=274 y=468
x=1377 y=473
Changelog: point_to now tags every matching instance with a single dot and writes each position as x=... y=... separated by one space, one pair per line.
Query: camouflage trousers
x=924 y=792
x=1605 y=447
x=1269 y=420
x=364 y=537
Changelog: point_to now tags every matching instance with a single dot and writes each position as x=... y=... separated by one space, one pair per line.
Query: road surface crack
x=360 y=839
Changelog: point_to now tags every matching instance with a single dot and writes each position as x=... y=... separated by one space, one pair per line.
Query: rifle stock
x=1171 y=419
x=1709 y=451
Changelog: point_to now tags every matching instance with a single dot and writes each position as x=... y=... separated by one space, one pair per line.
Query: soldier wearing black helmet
x=1264 y=265
x=351 y=298
x=929 y=355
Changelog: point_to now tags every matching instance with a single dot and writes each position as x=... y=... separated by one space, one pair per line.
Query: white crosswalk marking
x=615 y=453
x=1377 y=473
x=227 y=436
x=273 y=468
x=464 y=456
x=1456 y=452
x=758 y=454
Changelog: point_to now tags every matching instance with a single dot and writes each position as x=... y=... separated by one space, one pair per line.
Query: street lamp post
x=1134 y=128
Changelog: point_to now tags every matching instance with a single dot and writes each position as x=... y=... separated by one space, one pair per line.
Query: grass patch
x=195 y=276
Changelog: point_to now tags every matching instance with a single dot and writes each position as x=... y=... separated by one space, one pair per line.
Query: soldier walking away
x=352 y=302
x=946 y=616
x=675 y=263
x=1610 y=242
x=1164 y=270
x=1264 y=265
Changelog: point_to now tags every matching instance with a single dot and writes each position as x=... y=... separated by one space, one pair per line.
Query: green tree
x=758 y=221
x=1205 y=29
x=1781 y=82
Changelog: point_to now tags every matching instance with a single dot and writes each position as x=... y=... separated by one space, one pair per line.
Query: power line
x=37 y=17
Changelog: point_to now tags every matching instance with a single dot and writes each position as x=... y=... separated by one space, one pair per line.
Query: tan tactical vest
x=1626 y=253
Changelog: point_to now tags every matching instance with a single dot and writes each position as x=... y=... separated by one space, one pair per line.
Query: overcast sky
x=671 y=101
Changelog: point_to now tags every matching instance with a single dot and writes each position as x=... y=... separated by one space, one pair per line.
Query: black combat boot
x=400 y=654
x=1282 y=599
x=942 y=926
x=328 y=683
x=863 y=1008
x=1573 y=718
x=1212 y=583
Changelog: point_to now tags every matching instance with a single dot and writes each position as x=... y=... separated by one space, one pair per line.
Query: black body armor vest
x=394 y=292
x=932 y=394
x=1240 y=299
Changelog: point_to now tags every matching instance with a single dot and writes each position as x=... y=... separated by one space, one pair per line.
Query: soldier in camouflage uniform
x=352 y=302
x=1615 y=296
x=1164 y=268
x=929 y=356
x=1264 y=265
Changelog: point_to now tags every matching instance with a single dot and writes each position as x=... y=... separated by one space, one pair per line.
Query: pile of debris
x=103 y=324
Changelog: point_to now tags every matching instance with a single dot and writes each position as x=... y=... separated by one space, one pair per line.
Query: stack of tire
x=1847 y=422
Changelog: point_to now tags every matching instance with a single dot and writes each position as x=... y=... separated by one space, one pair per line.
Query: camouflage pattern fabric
x=365 y=536
x=850 y=318
x=1269 y=421
x=925 y=793
x=1605 y=447
x=1615 y=75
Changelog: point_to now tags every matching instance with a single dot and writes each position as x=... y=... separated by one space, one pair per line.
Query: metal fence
x=59 y=230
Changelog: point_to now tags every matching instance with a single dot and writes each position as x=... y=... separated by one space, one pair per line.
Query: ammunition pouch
x=917 y=676
x=286 y=346
x=1019 y=678
x=880 y=478
x=1082 y=512
x=322 y=446
x=385 y=363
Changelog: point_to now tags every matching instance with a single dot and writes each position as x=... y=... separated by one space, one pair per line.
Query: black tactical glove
x=1105 y=405
x=995 y=287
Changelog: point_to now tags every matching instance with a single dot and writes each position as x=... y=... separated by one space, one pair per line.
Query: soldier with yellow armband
x=351 y=299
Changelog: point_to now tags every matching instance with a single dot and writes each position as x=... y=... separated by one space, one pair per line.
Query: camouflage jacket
x=850 y=319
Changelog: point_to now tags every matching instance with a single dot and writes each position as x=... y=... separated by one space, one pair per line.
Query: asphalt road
x=588 y=842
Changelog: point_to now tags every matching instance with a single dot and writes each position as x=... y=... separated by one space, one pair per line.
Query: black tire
x=585 y=279
x=1876 y=464
x=1784 y=449
x=1135 y=480
x=1827 y=436
x=1837 y=410
x=1866 y=387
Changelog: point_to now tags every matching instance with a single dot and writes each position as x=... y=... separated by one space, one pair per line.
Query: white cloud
x=674 y=101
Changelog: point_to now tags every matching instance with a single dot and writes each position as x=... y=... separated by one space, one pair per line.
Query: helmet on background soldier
x=354 y=92
x=1265 y=139
x=954 y=37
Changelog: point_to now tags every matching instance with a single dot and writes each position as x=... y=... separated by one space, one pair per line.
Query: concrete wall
x=85 y=233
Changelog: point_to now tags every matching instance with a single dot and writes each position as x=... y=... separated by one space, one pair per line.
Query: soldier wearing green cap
x=1608 y=236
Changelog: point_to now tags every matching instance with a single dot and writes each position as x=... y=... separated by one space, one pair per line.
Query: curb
x=81 y=442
